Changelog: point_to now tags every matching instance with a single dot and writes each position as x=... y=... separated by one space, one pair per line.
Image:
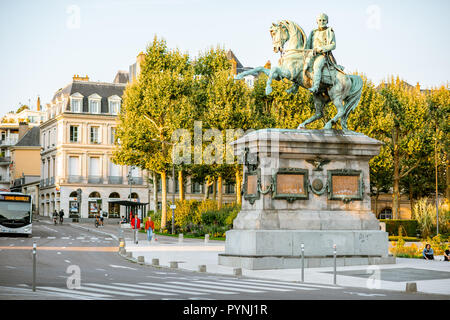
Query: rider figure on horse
x=322 y=41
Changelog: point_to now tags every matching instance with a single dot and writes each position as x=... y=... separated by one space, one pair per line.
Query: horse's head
x=279 y=36
x=287 y=31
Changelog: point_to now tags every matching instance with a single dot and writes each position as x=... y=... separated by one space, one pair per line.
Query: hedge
x=410 y=227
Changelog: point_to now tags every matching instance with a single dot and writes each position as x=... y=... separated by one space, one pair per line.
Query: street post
x=34 y=267
x=303 y=262
x=334 y=258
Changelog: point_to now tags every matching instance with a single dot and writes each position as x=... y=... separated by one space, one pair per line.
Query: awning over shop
x=131 y=207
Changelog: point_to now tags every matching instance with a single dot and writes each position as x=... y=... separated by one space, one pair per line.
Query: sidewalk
x=430 y=276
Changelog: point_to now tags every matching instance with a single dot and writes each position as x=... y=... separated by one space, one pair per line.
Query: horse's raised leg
x=340 y=112
x=319 y=102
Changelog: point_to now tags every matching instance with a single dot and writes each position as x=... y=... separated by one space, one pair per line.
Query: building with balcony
x=77 y=144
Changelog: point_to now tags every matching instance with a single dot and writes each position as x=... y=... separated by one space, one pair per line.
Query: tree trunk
x=180 y=185
x=411 y=200
x=376 y=203
x=238 y=187
x=214 y=190
x=206 y=196
x=219 y=187
x=447 y=174
x=396 y=186
x=163 y=200
x=155 y=190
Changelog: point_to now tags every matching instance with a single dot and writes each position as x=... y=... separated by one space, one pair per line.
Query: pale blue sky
x=42 y=46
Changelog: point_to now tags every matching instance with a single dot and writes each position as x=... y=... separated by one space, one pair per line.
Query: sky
x=45 y=42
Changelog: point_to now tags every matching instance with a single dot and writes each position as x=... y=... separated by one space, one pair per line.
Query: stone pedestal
x=310 y=187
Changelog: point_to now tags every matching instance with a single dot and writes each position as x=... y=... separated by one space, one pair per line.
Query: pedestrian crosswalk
x=194 y=289
x=73 y=238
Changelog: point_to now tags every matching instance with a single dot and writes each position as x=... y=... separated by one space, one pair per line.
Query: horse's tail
x=352 y=99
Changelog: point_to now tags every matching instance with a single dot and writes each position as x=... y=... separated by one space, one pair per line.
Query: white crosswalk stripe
x=112 y=290
x=294 y=285
x=74 y=292
x=234 y=283
x=181 y=287
x=157 y=287
x=195 y=284
x=276 y=287
x=120 y=289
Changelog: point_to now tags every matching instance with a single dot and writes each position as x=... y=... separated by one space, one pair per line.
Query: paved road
x=63 y=250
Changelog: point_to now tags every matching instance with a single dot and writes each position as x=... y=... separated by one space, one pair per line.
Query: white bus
x=15 y=213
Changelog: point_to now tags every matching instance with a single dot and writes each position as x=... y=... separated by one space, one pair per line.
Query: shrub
x=408 y=227
x=425 y=213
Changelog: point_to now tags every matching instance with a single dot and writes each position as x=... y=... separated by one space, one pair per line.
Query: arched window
x=386 y=213
x=114 y=195
x=94 y=194
x=73 y=194
x=134 y=195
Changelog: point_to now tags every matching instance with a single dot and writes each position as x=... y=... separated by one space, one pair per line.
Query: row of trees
x=174 y=90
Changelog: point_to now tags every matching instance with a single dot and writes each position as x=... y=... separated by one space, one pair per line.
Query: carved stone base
x=279 y=249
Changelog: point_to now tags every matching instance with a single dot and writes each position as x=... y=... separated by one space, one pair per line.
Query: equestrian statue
x=309 y=63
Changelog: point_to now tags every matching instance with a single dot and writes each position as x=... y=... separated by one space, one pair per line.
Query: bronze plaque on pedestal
x=346 y=185
x=290 y=184
x=252 y=184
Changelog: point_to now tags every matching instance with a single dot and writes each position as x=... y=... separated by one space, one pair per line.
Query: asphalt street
x=73 y=263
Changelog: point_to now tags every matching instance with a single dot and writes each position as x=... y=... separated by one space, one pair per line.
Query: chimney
x=76 y=77
x=23 y=128
x=38 y=104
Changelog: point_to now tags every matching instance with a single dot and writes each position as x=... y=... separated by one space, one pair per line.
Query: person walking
x=150 y=227
x=135 y=221
x=61 y=216
x=428 y=252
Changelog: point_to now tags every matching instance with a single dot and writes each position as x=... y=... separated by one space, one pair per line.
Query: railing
x=75 y=179
x=46 y=181
x=115 y=180
x=95 y=179
x=5 y=159
x=42 y=184
x=52 y=181
x=9 y=141
x=138 y=180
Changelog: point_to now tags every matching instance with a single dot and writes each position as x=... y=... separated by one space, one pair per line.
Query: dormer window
x=76 y=102
x=94 y=103
x=114 y=104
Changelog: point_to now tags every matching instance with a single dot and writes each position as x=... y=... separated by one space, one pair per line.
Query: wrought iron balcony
x=75 y=179
x=95 y=179
x=115 y=180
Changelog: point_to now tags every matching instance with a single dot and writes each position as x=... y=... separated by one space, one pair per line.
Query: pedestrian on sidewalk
x=428 y=252
x=137 y=222
x=150 y=227
x=447 y=254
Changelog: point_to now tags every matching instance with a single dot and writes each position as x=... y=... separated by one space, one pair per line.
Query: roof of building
x=87 y=88
x=30 y=139
x=121 y=77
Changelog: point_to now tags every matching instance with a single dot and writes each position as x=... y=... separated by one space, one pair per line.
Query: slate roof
x=30 y=138
x=87 y=88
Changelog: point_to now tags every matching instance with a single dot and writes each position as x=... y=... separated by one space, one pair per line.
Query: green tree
x=154 y=106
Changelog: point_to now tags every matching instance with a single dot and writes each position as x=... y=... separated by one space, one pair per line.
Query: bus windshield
x=17 y=211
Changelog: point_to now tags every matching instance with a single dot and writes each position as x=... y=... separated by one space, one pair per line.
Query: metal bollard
x=334 y=258
x=34 y=266
x=180 y=238
x=206 y=238
x=303 y=262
